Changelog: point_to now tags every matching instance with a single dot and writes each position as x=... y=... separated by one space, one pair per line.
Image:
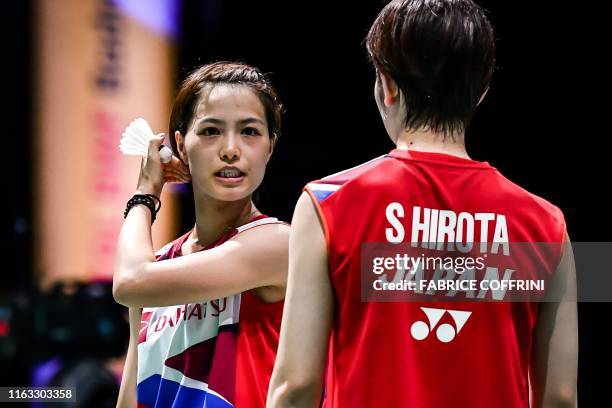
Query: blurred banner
x=99 y=65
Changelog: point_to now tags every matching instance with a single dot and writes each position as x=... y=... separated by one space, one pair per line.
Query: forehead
x=229 y=101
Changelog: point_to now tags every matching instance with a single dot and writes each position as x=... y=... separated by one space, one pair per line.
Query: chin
x=231 y=193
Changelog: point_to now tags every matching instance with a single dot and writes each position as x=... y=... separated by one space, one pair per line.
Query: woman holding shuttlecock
x=205 y=310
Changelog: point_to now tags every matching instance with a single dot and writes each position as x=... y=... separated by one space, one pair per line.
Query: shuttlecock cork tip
x=165 y=154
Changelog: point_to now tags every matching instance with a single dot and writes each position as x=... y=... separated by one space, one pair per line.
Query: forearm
x=134 y=252
x=127 y=392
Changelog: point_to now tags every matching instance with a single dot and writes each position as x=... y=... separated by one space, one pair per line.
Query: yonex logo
x=445 y=332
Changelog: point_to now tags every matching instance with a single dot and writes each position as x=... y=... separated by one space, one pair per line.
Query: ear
x=272 y=145
x=483 y=95
x=390 y=89
x=180 y=146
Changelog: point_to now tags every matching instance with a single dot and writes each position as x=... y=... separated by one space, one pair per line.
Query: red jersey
x=425 y=354
x=218 y=353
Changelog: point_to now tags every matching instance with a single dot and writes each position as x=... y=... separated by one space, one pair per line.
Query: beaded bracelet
x=152 y=202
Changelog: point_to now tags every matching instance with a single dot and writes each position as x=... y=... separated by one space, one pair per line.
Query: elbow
x=124 y=290
x=294 y=392
x=564 y=397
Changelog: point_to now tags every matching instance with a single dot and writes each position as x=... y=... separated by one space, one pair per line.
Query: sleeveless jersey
x=428 y=354
x=218 y=353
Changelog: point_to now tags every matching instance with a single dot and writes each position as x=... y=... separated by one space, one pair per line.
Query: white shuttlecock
x=135 y=141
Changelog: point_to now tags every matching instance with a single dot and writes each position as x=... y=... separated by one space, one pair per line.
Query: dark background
x=542 y=124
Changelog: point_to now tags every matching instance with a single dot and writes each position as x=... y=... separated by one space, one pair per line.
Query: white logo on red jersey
x=445 y=332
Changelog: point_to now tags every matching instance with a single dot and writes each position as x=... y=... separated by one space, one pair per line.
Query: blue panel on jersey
x=321 y=195
x=156 y=392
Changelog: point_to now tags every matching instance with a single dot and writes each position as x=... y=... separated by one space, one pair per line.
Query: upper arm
x=554 y=366
x=307 y=314
x=255 y=258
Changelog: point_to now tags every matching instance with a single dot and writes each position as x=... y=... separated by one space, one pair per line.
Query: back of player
x=418 y=346
x=425 y=354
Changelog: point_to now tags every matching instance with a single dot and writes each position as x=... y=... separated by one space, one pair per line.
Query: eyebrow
x=222 y=122
x=211 y=120
x=250 y=120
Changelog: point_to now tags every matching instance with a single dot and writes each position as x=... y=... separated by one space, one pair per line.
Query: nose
x=230 y=151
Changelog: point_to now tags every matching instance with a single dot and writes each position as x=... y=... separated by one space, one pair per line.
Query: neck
x=428 y=141
x=214 y=218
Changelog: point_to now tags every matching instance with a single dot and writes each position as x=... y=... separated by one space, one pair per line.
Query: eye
x=210 y=131
x=251 y=131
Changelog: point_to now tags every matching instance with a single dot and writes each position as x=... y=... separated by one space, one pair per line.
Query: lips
x=229 y=172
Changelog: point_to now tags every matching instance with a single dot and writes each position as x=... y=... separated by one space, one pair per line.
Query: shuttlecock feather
x=135 y=141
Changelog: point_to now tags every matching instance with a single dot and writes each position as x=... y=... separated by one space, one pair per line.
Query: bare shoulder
x=265 y=234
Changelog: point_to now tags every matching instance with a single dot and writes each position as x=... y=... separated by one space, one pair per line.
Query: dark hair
x=223 y=72
x=441 y=54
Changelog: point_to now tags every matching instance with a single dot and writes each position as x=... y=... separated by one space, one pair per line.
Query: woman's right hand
x=175 y=171
x=154 y=173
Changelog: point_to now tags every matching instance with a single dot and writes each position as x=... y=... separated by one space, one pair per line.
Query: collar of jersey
x=438 y=158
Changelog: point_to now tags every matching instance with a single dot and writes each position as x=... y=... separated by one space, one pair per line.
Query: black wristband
x=152 y=202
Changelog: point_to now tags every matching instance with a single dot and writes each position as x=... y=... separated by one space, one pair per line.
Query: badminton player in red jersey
x=205 y=310
x=434 y=60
